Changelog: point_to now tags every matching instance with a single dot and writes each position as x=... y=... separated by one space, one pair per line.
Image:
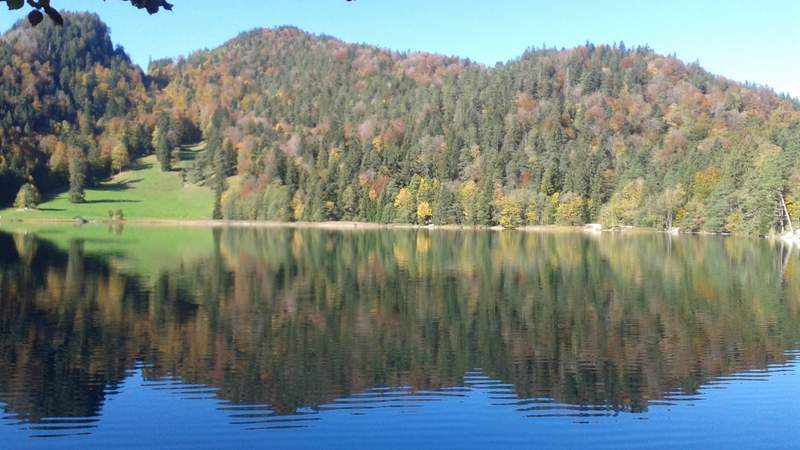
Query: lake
x=301 y=338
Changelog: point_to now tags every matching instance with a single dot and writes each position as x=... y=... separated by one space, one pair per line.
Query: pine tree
x=484 y=207
x=218 y=190
x=219 y=185
x=446 y=210
x=77 y=174
x=161 y=145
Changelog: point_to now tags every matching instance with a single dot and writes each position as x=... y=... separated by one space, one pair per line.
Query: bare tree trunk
x=788 y=217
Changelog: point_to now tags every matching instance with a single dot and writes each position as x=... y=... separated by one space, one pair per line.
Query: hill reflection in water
x=283 y=328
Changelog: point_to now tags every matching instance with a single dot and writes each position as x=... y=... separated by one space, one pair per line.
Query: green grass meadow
x=142 y=192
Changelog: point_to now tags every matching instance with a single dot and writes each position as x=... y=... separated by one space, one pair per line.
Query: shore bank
x=331 y=225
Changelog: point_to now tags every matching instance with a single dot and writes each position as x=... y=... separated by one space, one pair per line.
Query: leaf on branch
x=35 y=17
x=152 y=6
x=15 y=4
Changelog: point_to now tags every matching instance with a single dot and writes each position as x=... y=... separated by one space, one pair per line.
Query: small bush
x=28 y=197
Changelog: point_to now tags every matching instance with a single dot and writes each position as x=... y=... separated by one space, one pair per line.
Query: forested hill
x=317 y=129
x=304 y=127
x=67 y=96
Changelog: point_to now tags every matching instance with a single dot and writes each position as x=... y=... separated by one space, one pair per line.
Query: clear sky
x=744 y=40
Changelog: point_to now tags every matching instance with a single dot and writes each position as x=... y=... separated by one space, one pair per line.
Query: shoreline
x=344 y=226
x=209 y=223
x=327 y=225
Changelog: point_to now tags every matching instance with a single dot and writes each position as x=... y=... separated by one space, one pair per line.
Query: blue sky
x=757 y=41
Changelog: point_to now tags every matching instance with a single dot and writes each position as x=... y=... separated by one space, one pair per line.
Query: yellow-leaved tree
x=120 y=158
x=424 y=213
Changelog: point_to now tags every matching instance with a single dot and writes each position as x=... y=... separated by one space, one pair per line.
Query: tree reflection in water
x=296 y=318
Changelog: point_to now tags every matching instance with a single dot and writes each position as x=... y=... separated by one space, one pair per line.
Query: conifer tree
x=161 y=142
x=77 y=174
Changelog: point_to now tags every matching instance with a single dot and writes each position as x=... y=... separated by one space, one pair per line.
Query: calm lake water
x=285 y=338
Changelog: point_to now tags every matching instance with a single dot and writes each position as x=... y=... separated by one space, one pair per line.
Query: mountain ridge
x=264 y=31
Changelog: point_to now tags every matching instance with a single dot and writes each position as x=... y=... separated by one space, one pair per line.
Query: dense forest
x=302 y=127
x=73 y=108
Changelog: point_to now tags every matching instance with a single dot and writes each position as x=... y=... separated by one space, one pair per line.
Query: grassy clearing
x=144 y=192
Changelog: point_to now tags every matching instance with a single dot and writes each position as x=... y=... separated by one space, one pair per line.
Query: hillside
x=65 y=94
x=73 y=109
x=323 y=130
x=317 y=129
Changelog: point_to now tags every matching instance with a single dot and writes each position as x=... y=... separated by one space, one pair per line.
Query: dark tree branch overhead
x=152 y=6
x=36 y=16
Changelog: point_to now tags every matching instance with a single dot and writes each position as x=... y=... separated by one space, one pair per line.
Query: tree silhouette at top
x=41 y=7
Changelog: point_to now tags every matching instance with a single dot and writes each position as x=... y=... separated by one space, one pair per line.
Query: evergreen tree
x=218 y=190
x=219 y=185
x=161 y=142
x=77 y=175
x=446 y=210
x=484 y=210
